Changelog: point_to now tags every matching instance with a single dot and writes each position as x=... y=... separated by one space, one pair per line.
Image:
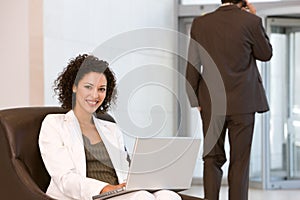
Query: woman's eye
x=87 y=86
x=102 y=89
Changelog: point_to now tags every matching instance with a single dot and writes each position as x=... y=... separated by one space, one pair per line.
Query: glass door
x=282 y=142
x=294 y=102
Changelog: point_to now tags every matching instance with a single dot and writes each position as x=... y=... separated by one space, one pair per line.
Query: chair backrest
x=21 y=127
x=19 y=151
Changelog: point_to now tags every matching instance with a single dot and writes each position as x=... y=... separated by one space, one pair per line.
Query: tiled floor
x=254 y=194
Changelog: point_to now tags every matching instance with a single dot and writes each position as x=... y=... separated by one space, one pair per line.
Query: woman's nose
x=95 y=93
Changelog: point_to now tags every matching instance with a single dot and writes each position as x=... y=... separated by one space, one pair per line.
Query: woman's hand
x=112 y=187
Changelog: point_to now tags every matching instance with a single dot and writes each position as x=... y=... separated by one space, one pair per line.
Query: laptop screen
x=160 y=161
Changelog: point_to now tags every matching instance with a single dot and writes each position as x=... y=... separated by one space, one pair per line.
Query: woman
x=84 y=155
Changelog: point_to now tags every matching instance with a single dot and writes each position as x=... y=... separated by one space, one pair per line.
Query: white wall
x=14 y=56
x=79 y=26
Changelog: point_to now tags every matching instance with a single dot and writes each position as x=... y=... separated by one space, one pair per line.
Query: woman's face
x=90 y=92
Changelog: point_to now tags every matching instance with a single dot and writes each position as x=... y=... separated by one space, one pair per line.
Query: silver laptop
x=160 y=163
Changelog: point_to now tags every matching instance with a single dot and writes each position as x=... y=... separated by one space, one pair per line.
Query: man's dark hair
x=231 y=1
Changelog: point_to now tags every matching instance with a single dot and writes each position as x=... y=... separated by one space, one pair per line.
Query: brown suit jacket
x=231 y=40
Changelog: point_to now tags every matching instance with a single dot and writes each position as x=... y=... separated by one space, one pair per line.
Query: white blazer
x=62 y=150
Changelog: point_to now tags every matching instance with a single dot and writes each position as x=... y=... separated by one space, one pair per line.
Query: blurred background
x=145 y=42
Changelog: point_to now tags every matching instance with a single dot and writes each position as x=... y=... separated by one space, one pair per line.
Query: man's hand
x=250 y=8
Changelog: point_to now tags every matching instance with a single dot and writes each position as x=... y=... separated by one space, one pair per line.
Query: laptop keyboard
x=109 y=193
x=115 y=191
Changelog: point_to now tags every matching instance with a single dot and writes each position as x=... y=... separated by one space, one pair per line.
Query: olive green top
x=98 y=162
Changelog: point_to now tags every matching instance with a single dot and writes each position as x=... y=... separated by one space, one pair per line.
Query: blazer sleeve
x=261 y=47
x=193 y=75
x=60 y=165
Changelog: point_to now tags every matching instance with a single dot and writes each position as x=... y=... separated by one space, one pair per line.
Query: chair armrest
x=27 y=183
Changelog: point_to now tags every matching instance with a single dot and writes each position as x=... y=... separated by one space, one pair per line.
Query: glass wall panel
x=275 y=154
x=295 y=105
x=283 y=78
x=278 y=106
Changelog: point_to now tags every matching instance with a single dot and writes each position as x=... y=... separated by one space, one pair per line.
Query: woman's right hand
x=112 y=187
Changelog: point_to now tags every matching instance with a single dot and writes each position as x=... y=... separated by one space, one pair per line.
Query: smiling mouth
x=92 y=102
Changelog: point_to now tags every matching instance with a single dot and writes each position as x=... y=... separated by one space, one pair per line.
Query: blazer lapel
x=76 y=142
x=108 y=133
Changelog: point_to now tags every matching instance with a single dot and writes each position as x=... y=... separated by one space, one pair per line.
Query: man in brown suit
x=223 y=81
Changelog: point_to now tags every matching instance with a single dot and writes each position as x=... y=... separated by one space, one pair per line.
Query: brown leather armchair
x=22 y=171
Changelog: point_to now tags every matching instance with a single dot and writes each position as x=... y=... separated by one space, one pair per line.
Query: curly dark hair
x=74 y=72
